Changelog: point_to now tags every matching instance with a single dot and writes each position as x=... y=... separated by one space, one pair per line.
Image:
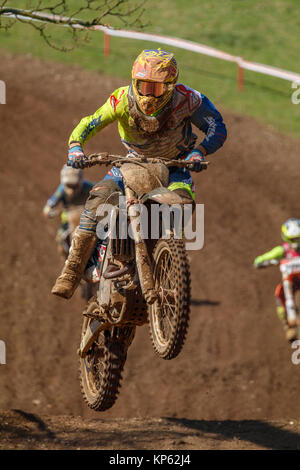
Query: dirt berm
x=234 y=376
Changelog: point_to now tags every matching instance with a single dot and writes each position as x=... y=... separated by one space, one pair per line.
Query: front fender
x=164 y=196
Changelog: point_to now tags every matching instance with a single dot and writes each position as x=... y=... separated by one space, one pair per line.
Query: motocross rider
x=290 y=233
x=72 y=192
x=154 y=117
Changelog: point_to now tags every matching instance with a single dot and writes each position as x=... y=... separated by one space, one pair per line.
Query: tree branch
x=59 y=13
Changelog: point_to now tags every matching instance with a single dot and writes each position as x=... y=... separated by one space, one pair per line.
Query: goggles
x=151 y=88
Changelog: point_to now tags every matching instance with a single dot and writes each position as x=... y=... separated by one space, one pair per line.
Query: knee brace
x=88 y=221
x=101 y=193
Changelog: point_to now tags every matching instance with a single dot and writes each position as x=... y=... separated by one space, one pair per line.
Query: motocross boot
x=290 y=334
x=289 y=327
x=82 y=246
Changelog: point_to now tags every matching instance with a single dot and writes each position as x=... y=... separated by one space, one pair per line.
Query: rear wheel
x=169 y=316
x=101 y=369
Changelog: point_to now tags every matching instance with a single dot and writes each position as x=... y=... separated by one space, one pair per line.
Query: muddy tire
x=101 y=369
x=169 y=318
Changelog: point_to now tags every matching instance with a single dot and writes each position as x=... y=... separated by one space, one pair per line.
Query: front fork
x=141 y=253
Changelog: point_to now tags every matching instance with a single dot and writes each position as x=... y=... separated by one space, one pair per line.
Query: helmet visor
x=151 y=88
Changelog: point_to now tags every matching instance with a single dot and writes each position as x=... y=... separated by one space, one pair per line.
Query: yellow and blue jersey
x=188 y=107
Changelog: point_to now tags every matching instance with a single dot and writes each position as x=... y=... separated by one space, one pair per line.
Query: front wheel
x=169 y=316
x=101 y=369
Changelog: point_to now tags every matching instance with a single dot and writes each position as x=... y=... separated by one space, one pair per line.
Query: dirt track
x=22 y=431
x=235 y=364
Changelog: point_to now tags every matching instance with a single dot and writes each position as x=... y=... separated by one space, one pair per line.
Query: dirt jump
x=234 y=385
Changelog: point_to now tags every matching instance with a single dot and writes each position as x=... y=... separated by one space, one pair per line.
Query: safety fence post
x=240 y=76
x=106 y=45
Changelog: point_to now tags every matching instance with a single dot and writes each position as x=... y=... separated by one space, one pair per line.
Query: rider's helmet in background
x=154 y=76
x=71 y=178
x=290 y=232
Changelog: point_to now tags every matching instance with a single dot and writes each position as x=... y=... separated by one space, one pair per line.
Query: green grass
x=266 y=31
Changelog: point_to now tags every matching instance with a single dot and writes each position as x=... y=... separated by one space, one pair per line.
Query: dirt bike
x=142 y=281
x=288 y=268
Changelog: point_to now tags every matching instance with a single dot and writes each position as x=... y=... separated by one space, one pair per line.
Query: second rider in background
x=68 y=200
x=290 y=249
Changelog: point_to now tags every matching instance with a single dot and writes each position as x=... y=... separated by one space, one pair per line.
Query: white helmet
x=290 y=232
x=70 y=176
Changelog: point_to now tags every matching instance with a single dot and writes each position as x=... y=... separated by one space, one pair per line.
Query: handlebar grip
x=260 y=266
x=201 y=165
x=86 y=164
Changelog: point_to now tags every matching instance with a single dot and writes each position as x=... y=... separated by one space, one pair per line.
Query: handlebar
x=117 y=160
